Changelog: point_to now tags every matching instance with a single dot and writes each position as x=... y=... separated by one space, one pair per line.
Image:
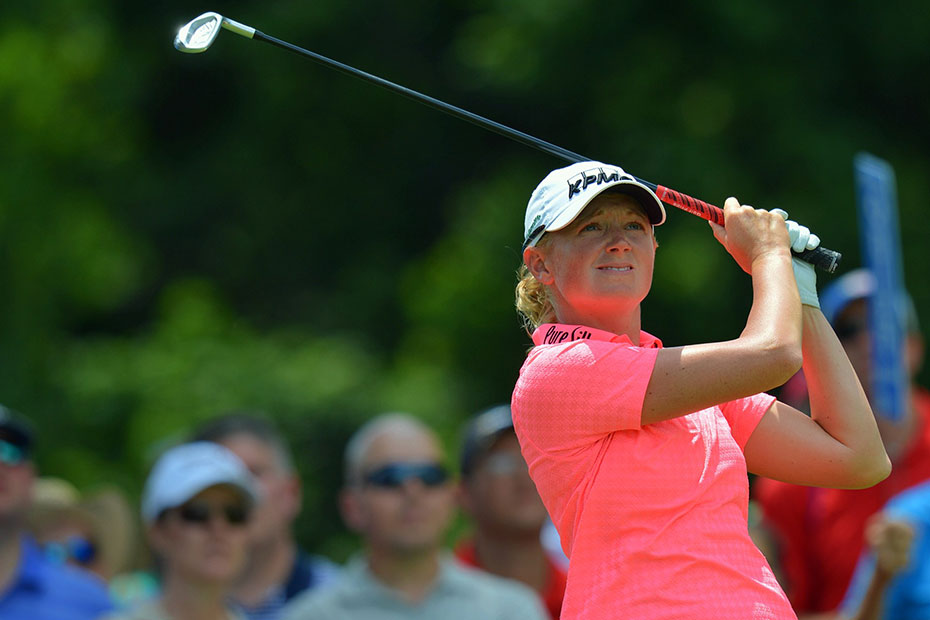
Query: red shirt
x=819 y=532
x=654 y=517
x=555 y=581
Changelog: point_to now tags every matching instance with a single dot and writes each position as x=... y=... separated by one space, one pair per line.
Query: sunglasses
x=199 y=513
x=11 y=454
x=848 y=329
x=74 y=548
x=394 y=475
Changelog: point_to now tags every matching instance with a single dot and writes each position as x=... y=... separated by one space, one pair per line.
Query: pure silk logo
x=554 y=335
x=595 y=176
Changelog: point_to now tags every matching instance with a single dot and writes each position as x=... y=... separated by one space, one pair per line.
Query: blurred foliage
x=186 y=234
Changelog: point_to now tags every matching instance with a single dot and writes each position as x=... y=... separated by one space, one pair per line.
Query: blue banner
x=881 y=249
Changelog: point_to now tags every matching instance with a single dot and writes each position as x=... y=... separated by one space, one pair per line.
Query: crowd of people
x=217 y=518
x=636 y=459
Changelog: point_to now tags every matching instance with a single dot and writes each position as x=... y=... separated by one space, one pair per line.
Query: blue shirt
x=45 y=590
x=908 y=595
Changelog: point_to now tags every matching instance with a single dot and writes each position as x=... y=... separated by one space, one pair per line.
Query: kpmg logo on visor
x=592 y=177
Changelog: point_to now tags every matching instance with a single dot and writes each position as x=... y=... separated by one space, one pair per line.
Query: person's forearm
x=871 y=608
x=838 y=402
x=767 y=353
x=775 y=317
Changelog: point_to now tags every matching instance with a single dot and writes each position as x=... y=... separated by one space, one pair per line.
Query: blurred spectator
x=277 y=569
x=398 y=496
x=892 y=580
x=196 y=506
x=552 y=543
x=818 y=533
x=123 y=553
x=33 y=587
x=505 y=509
x=95 y=532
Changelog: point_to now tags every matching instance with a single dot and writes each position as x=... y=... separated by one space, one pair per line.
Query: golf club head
x=198 y=35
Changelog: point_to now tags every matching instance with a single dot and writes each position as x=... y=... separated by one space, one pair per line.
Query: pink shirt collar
x=556 y=333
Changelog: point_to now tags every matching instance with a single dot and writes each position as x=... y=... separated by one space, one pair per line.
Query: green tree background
x=186 y=234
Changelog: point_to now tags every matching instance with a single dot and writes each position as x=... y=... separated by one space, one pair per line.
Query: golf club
x=198 y=35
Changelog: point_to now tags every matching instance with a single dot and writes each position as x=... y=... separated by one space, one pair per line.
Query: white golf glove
x=804 y=275
x=801 y=236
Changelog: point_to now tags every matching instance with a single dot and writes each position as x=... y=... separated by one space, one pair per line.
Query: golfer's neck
x=614 y=321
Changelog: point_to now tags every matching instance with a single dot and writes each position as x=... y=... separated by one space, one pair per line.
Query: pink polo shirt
x=654 y=518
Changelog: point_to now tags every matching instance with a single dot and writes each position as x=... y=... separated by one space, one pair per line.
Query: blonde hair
x=532 y=300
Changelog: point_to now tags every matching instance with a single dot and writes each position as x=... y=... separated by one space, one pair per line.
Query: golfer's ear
x=534 y=258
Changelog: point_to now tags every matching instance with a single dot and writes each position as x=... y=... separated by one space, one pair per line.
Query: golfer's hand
x=749 y=234
x=801 y=238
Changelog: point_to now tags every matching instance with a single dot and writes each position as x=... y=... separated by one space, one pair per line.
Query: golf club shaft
x=820 y=257
x=442 y=106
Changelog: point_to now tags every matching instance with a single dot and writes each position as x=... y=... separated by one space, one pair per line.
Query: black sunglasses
x=394 y=475
x=201 y=513
x=848 y=329
x=11 y=454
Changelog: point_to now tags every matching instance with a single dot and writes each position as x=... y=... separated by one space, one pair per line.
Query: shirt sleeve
x=743 y=415
x=571 y=394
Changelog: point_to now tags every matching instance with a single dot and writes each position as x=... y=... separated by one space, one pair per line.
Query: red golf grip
x=820 y=257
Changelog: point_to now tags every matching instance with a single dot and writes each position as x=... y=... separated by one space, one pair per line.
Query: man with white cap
x=196 y=507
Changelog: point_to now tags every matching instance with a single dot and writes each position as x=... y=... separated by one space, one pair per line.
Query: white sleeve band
x=806 y=279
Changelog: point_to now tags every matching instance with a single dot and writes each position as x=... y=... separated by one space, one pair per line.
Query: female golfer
x=641 y=453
